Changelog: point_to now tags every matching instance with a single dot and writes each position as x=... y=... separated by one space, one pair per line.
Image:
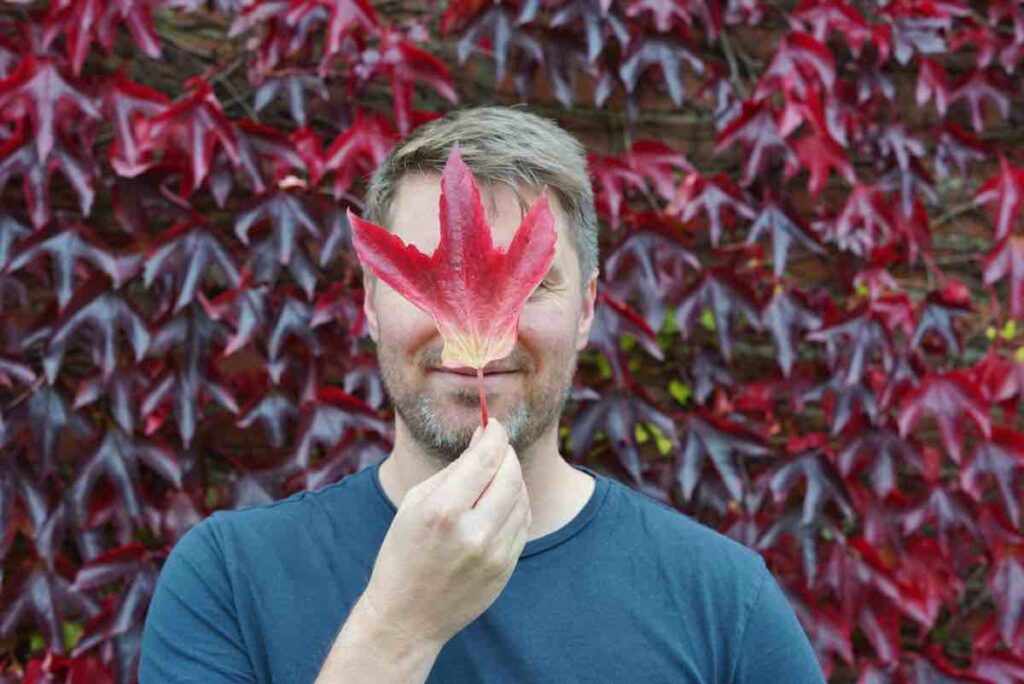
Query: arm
x=773 y=645
x=191 y=632
x=366 y=650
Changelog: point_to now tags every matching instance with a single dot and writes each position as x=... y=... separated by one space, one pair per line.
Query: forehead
x=415 y=219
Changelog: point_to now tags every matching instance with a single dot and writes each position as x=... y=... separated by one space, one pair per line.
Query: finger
x=500 y=496
x=428 y=486
x=474 y=469
x=514 y=532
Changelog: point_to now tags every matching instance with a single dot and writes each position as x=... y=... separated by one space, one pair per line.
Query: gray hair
x=499 y=145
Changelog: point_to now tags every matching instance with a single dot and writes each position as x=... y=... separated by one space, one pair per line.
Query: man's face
x=440 y=408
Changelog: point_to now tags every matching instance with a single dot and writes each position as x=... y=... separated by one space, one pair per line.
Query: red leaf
x=1006 y=582
x=865 y=221
x=618 y=417
x=657 y=162
x=938 y=312
x=612 y=177
x=954 y=401
x=474 y=291
x=38 y=89
x=193 y=130
x=1002 y=458
x=757 y=129
x=717 y=197
x=404 y=64
x=981 y=85
x=1006 y=261
x=786 y=316
x=1005 y=190
x=19 y=154
x=821 y=155
x=800 y=63
x=83 y=21
x=825 y=17
x=359 y=149
x=724 y=441
x=719 y=291
x=344 y=16
x=669 y=13
x=823 y=483
x=125 y=103
x=669 y=54
x=932 y=83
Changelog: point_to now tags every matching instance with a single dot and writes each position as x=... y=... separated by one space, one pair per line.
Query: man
x=474 y=555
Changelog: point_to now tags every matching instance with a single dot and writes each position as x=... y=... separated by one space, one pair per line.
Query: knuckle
x=442 y=517
x=475 y=545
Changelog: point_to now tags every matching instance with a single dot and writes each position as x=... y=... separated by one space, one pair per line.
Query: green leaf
x=72 y=633
x=663 y=443
x=669 y=326
x=680 y=391
x=640 y=433
x=707 y=319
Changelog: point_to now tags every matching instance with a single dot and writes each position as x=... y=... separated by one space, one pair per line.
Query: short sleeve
x=773 y=645
x=191 y=633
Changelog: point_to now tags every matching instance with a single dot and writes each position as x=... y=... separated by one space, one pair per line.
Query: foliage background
x=812 y=289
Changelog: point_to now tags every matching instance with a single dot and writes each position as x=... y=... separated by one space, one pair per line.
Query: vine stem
x=483 y=398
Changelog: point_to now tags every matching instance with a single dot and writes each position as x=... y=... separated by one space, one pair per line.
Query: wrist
x=378 y=625
x=371 y=648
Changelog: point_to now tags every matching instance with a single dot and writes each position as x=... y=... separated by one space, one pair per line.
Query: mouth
x=468 y=375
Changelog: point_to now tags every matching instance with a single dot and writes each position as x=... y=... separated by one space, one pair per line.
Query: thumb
x=477 y=433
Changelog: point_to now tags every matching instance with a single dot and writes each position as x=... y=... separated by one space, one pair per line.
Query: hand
x=454 y=542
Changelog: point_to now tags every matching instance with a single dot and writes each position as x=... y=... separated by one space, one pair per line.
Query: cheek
x=402 y=323
x=547 y=325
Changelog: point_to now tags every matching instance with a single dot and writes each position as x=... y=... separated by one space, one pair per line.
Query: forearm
x=366 y=650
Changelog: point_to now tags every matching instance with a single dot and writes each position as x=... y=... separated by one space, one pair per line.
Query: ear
x=587 y=317
x=370 y=306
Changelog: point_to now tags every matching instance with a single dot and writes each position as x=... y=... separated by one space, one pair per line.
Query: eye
x=545 y=285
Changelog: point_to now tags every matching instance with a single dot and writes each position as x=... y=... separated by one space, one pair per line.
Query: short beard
x=525 y=423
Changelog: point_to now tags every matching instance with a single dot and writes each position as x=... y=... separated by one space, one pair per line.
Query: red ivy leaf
x=954 y=401
x=800 y=63
x=404 y=64
x=1006 y=261
x=83 y=21
x=708 y=435
x=1005 y=190
x=19 y=154
x=360 y=148
x=1001 y=457
x=38 y=89
x=757 y=130
x=981 y=85
x=125 y=103
x=717 y=197
x=191 y=130
x=820 y=155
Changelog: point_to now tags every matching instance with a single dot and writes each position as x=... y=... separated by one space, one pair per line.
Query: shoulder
x=692 y=547
x=283 y=522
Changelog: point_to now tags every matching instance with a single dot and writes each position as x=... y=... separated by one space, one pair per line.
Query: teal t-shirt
x=628 y=591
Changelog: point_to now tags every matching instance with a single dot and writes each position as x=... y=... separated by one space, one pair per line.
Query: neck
x=557 y=490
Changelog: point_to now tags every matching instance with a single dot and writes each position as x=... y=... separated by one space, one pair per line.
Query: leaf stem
x=483 y=399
